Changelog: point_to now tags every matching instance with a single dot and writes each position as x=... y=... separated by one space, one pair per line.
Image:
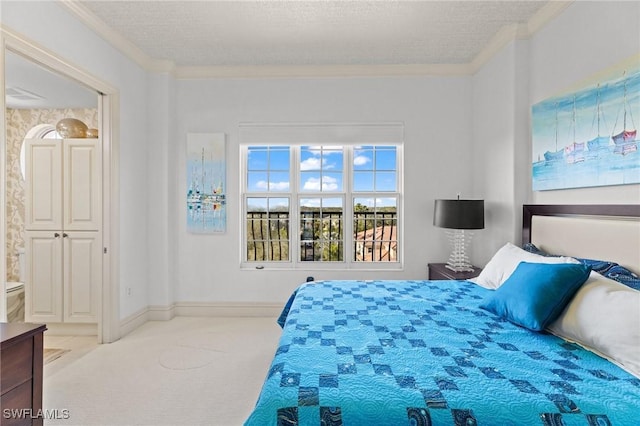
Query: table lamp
x=459 y=216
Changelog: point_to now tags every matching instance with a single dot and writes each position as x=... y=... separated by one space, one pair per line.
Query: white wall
x=49 y=25
x=587 y=38
x=494 y=137
x=161 y=110
x=435 y=111
x=463 y=134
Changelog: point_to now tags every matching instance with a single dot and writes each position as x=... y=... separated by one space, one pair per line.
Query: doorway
x=105 y=102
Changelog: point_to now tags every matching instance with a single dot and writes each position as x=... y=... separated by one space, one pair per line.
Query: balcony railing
x=321 y=236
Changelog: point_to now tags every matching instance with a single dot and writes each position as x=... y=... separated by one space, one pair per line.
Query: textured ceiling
x=285 y=33
x=238 y=33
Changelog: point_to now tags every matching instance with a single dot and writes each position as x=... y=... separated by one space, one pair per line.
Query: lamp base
x=460 y=268
x=458 y=260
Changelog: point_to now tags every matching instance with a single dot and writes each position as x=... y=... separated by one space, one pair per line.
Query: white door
x=43 y=184
x=64 y=197
x=82 y=272
x=82 y=177
x=43 y=283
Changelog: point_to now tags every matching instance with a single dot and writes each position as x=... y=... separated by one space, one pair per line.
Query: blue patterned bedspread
x=423 y=353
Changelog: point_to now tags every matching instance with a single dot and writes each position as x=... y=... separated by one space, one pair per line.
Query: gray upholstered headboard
x=605 y=232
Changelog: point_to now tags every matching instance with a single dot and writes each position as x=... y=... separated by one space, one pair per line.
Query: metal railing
x=321 y=236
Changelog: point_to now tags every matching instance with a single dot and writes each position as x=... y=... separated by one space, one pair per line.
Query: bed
x=444 y=353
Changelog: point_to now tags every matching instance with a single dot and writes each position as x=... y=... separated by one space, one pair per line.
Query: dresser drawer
x=17 y=365
x=19 y=401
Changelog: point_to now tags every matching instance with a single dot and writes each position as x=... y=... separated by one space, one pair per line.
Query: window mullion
x=294 y=216
x=244 y=157
x=348 y=239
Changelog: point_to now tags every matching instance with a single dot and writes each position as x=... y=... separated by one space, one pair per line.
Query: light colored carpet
x=187 y=371
x=51 y=354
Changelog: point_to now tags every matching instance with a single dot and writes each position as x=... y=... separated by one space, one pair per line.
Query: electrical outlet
x=128 y=291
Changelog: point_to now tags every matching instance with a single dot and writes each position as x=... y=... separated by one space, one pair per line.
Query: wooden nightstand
x=22 y=372
x=438 y=271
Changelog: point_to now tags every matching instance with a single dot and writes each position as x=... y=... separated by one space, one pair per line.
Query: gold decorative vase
x=71 y=128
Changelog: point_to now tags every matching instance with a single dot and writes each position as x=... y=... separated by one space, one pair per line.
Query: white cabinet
x=43 y=280
x=63 y=230
x=63 y=184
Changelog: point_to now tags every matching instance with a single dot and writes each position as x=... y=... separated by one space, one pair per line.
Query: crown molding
x=116 y=39
x=506 y=35
x=547 y=13
x=522 y=31
x=309 y=71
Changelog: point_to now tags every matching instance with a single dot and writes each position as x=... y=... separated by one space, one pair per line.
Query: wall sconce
x=458 y=216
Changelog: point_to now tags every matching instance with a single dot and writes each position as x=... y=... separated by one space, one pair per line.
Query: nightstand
x=438 y=271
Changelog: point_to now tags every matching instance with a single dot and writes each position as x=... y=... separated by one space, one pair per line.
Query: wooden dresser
x=21 y=368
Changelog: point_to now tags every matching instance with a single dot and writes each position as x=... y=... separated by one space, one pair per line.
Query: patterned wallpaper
x=19 y=122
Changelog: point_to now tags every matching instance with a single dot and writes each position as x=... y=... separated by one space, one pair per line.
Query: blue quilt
x=423 y=353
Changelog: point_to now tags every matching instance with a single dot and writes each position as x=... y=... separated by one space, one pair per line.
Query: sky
x=321 y=170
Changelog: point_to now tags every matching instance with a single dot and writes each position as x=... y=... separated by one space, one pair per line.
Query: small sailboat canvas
x=589 y=137
x=206 y=183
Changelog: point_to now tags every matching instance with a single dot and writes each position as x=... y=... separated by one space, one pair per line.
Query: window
x=40 y=131
x=335 y=206
x=268 y=173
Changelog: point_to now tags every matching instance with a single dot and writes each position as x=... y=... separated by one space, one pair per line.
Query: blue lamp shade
x=459 y=214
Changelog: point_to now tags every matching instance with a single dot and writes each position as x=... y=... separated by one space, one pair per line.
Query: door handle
x=65 y=235
x=56 y=235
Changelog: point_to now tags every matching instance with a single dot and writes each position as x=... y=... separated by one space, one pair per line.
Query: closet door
x=43 y=184
x=43 y=283
x=82 y=271
x=82 y=175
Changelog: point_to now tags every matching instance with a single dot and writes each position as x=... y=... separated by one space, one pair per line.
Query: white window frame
x=269 y=135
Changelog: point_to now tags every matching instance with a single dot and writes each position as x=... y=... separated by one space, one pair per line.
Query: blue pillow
x=537 y=293
x=600 y=266
x=624 y=276
x=532 y=248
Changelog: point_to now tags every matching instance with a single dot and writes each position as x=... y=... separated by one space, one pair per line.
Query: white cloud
x=317 y=162
x=273 y=186
x=361 y=160
x=311 y=163
x=279 y=186
x=329 y=183
x=310 y=202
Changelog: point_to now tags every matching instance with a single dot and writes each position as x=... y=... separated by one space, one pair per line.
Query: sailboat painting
x=206 y=183
x=589 y=137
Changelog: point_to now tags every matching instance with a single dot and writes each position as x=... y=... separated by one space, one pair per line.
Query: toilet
x=15 y=294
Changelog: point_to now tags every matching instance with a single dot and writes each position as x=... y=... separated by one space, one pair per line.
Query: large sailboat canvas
x=206 y=183
x=589 y=137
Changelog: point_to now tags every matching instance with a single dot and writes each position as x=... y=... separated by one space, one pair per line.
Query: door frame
x=109 y=130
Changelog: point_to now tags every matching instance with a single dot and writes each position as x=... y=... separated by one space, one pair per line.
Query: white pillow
x=506 y=260
x=604 y=317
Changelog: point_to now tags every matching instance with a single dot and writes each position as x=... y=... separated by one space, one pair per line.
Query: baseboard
x=161 y=313
x=227 y=309
x=133 y=321
x=197 y=309
x=71 y=329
